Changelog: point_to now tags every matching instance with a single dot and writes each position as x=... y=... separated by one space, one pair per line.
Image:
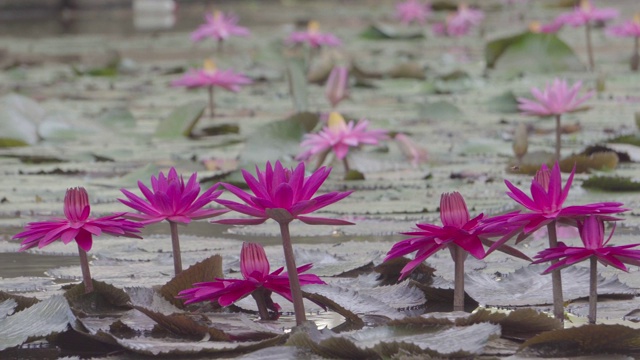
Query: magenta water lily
x=284 y=195
x=413 y=11
x=460 y=22
x=256 y=281
x=79 y=226
x=314 y=37
x=630 y=28
x=173 y=200
x=219 y=26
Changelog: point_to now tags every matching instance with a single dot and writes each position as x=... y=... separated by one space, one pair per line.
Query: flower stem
x=292 y=271
x=589 y=47
x=556 y=277
x=558 y=137
x=458 y=289
x=347 y=168
x=175 y=243
x=635 y=58
x=259 y=296
x=593 y=290
x=86 y=274
x=211 y=106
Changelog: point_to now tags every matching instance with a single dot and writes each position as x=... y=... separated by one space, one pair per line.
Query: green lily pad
x=532 y=53
x=505 y=103
x=390 y=32
x=296 y=75
x=441 y=111
x=118 y=118
x=181 y=121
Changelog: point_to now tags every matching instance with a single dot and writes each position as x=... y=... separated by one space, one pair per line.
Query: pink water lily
x=210 y=75
x=585 y=13
x=555 y=99
x=630 y=28
x=594 y=245
x=339 y=136
x=219 y=26
x=256 y=280
x=413 y=11
x=337 y=86
x=172 y=200
x=77 y=225
x=282 y=194
x=313 y=37
x=548 y=28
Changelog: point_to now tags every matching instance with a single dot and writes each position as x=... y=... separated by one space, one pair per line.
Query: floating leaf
x=181 y=121
x=441 y=111
x=185 y=325
x=611 y=183
x=19 y=120
x=118 y=118
x=104 y=298
x=22 y=302
x=531 y=53
x=585 y=340
x=47 y=317
x=390 y=32
x=206 y=270
x=407 y=70
x=520 y=324
x=277 y=140
x=506 y=103
x=298 y=84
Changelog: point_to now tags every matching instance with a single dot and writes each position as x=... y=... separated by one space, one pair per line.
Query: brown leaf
x=185 y=325
x=105 y=298
x=206 y=270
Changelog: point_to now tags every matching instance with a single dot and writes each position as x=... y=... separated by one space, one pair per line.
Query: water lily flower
x=172 y=200
x=283 y=195
x=546 y=207
x=460 y=22
x=219 y=26
x=584 y=15
x=413 y=11
x=554 y=100
x=551 y=28
x=210 y=76
x=630 y=28
x=256 y=281
x=314 y=37
x=595 y=249
x=339 y=136
x=460 y=234
x=79 y=226
x=337 y=86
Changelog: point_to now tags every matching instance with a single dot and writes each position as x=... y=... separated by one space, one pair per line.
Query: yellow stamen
x=209 y=66
x=534 y=27
x=217 y=15
x=636 y=18
x=336 y=121
x=313 y=26
x=585 y=5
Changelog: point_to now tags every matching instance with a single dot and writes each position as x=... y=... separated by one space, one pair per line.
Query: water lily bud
x=336 y=88
x=520 y=141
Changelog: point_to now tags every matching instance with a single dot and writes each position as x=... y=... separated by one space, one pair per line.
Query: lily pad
x=181 y=121
x=531 y=53
x=391 y=32
x=441 y=111
x=20 y=117
x=206 y=270
x=611 y=183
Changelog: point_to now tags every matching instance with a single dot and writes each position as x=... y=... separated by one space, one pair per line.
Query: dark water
x=24 y=264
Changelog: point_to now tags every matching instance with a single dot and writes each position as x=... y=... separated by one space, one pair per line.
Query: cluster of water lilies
x=287 y=194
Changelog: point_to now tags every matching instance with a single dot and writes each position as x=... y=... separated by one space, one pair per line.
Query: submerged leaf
x=585 y=340
x=181 y=121
x=47 y=317
x=206 y=270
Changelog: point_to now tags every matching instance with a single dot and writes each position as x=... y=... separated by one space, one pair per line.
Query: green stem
x=259 y=296
x=86 y=274
x=292 y=271
x=635 y=58
x=593 y=290
x=347 y=168
x=458 y=289
x=558 y=137
x=211 y=105
x=589 y=47
x=175 y=243
x=556 y=277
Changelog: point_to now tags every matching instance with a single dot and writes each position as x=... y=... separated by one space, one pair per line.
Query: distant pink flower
x=254 y=267
x=77 y=225
x=339 y=137
x=555 y=99
x=546 y=203
x=283 y=195
x=456 y=229
x=592 y=235
x=171 y=199
x=210 y=76
x=586 y=13
x=630 y=28
x=219 y=27
x=313 y=37
x=337 y=87
x=413 y=11
x=550 y=28
x=460 y=22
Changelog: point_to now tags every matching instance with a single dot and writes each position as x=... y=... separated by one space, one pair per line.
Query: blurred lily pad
x=611 y=183
x=531 y=53
x=391 y=32
x=441 y=111
x=181 y=121
x=506 y=103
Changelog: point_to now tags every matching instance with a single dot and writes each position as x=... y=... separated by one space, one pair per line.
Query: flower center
x=336 y=122
x=313 y=27
x=534 y=27
x=210 y=67
x=585 y=5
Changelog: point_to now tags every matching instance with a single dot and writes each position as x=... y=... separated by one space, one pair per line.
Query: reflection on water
x=25 y=264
